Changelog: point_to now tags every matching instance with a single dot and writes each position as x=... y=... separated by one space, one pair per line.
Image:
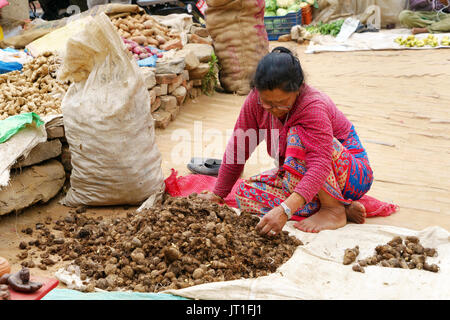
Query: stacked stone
x=40 y=175
x=177 y=77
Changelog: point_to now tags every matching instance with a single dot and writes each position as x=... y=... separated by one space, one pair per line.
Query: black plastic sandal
x=205 y=166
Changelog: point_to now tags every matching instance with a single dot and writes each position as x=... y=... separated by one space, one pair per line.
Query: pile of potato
x=144 y=30
x=33 y=89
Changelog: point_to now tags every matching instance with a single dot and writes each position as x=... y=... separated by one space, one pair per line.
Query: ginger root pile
x=32 y=89
x=178 y=243
x=144 y=30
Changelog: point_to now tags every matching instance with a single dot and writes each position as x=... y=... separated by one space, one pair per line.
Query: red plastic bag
x=3 y=3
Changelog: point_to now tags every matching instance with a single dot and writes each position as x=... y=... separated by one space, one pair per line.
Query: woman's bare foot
x=419 y=30
x=355 y=212
x=327 y=218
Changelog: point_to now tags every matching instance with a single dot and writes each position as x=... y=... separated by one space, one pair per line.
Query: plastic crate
x=280 y=25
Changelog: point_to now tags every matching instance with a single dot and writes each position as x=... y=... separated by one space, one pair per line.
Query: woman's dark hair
x=279 y=69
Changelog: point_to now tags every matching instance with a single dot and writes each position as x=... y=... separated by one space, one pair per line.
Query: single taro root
x=178 y=243
x=350 y=255
x=405 y=253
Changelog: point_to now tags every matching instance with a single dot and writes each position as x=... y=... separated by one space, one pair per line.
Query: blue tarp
x=150 y=61
x=6 y=67
x=67 y=294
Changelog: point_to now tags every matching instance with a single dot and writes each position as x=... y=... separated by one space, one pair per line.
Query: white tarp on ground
x=382 y=40
x=17 y=146
x=316 y=271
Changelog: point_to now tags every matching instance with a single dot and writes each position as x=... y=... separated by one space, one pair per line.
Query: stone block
x=185 y=74
x=168 y=103
x=202 y=51
x=44 y=151
x=171 y=66
x=30 y=185
x=161 y=89
x=174 y=113
x=200 y=72
x=180 y=94
x=155 y=106
x=149 y=77
x=162 y=118
x=188 y=84
x=191 y=61
x=166 y=78
x=152 y=94
x=55 y=132
x=176 y=83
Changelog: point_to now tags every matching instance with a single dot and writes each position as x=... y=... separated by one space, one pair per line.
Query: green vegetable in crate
x=271 y=6
x=282 y=12
x=270 y=14
x=294 y=8
x=285 y=3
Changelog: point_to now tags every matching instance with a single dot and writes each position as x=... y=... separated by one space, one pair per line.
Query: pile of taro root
x=178 y=243
x=406 y=253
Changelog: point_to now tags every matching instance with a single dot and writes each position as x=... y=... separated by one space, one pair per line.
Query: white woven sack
x=107 y=121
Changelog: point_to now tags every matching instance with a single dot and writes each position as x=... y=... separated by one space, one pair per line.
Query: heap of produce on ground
x=33 y=89
x=283 y=7
x=179 y=243
x=431 y=40
x=144 y=30
x=141 y=52
x=405 y=253
x=332 y=28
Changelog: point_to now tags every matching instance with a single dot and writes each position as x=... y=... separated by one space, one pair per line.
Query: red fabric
x=319 y=121
x=3 y=3
x=184 y=186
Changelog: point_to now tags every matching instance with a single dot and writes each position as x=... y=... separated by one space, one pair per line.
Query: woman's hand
x=207 y=195
x=273 y=222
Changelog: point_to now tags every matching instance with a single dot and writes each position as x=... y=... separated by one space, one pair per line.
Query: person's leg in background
x=442 y=25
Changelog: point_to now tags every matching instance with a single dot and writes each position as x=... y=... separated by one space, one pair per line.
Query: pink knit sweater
x=318 y=121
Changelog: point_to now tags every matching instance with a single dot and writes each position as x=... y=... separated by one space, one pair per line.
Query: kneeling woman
x=324 y=165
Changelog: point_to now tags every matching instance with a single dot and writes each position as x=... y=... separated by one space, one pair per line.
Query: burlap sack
x=107 y=121
x=240 y=40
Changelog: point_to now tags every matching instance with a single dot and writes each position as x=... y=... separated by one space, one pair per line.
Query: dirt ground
x=397 y=100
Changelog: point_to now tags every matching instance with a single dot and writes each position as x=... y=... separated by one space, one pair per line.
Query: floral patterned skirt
x=350 y=178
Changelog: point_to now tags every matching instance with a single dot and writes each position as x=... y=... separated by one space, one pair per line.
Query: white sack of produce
x=107 y=122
